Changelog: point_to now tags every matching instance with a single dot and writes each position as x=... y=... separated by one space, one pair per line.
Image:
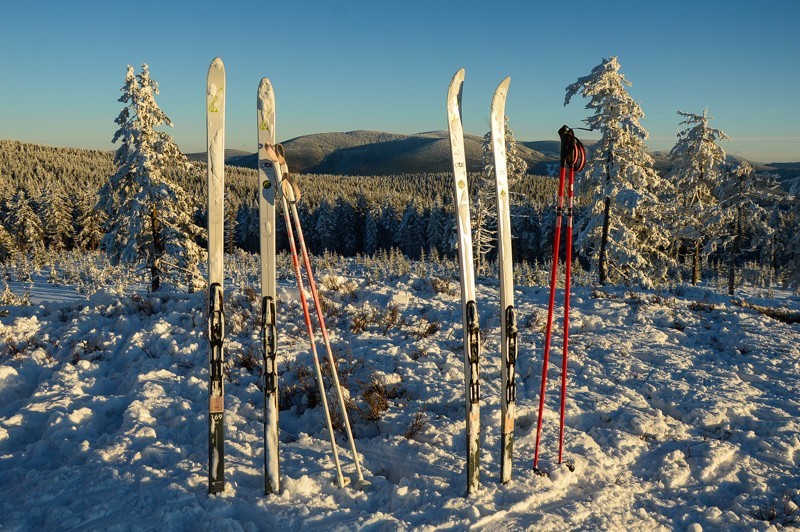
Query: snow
x=682 y=413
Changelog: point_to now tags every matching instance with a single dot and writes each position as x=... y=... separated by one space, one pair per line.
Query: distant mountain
x=375 y=153
x=379 y=153
x=231 y=156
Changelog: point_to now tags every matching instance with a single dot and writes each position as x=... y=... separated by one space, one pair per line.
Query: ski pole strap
x=289 y=188
x=573 y=154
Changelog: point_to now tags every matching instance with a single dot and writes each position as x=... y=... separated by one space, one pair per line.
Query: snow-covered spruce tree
x=26 y=225
x=621 y=226
x=7 y=246
x=90 y=222
x=516 y=166
x=484 y=216
x=746 y=200
x=787 y=238
x=149 y=217
x=483 y=208
x=231 y=207
x=696 y=171
x=57 y=217
x=411 y=235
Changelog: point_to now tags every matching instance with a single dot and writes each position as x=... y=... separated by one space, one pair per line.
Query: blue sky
x=385 y=65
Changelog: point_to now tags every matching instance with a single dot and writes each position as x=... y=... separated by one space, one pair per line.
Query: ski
x=469 y=311
x=508 y=321
x=267 y=185
x=215 y=133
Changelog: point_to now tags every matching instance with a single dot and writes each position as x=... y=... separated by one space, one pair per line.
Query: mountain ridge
x=368 y=152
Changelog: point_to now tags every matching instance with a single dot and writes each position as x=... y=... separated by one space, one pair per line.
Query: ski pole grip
x=567 y=137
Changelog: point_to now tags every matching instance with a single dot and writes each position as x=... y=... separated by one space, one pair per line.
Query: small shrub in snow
x=376 y=393
x=390 y=318
x=249 y=360
x=417 y=424
x=362 y=317
x=444 y=286
x=782 y=512
x=426 y=329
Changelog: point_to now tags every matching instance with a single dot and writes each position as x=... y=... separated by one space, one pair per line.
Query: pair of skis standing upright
x=572 y=157
x=274 y=182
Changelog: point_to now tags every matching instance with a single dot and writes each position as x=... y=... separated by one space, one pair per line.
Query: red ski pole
x=549 y=328
x=577 y=163
x=574 y=157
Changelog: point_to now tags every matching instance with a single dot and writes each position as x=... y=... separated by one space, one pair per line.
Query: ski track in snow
x=681 y=410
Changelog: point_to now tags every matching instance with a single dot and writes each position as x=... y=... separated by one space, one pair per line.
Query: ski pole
x=551 y=304
x=320 y=317
x=578 y=159
x=573 y=156
x=310 y=329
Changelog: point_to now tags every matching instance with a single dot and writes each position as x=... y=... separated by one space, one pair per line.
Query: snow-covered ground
x=682 y=413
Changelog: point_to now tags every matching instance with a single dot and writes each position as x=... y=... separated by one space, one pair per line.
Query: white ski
x=215 y=121
x=508 y=320
x=469 y=312
x=267 y=185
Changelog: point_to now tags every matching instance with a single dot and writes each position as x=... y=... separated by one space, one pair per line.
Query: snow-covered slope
x=682 y=412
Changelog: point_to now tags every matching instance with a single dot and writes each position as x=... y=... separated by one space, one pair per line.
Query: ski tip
x=217 y=63
x=264 y=84
x=504 y=84
x=454 y=93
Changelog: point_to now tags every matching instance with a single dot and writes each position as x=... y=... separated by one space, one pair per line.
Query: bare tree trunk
x=601 y=268
x=158 y=251
x=735 y=252
x=696 y=263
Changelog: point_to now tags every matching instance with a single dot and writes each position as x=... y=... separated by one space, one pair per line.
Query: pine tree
x=484 y=208
x=7 y=246
x=57 y=217
x=746 y=201
x=438 y=229
x=345 y=227
x=622 y=224
x=25 y=224
x=387 y=228
x=516 y=166
x=371 y=232
x=149 y=217
x=410 y=233
x=791 y=220
x=231 y=211
x=697 y=162
x=90 y=221
x=484 y=217
x=324 y=235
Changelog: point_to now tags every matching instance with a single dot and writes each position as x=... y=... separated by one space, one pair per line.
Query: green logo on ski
x=267 y=185
x=213 y=107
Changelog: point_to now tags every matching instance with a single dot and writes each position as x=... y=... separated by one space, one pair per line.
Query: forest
x=706 y=215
